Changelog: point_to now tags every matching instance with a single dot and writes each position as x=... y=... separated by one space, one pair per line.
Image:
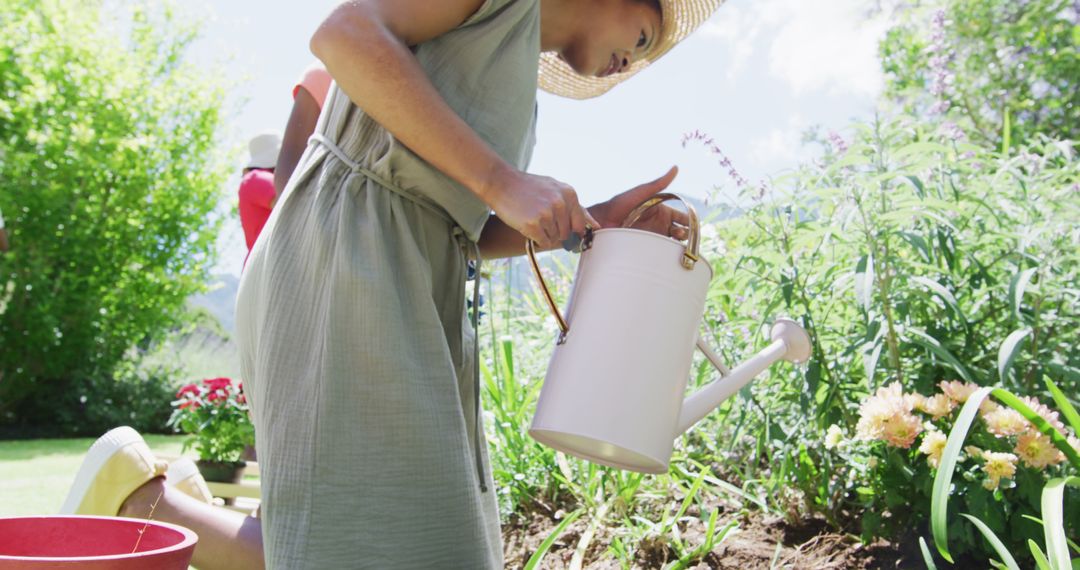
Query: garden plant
x=111 y=170
x=927 y=256
x=931 y=252
x=214 y=414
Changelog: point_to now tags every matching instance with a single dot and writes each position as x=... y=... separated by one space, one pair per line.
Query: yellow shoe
x=184 y=476
x=118 y=463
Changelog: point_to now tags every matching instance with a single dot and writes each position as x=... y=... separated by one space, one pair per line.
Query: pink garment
x=316 y=81
x=256 y=196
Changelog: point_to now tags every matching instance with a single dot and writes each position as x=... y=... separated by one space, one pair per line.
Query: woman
x=358 y=357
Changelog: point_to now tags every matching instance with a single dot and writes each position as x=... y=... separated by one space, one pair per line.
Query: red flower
x=217 y=383
x=189 y=404
x=189 y=389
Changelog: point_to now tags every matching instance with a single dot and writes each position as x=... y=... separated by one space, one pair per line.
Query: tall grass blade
x=939 y=502
x=712 y=538
x=1054 y=522
x=1063 y=404
x=1008 y=351
x=1037 y=553
x=583 y=544
x=776 y=555
x=927 y=557
x=743 y=494
x=542 y=550
x=994 y=541
x=691 y=495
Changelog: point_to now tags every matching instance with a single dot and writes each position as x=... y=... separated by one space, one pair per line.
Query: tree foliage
x=999 y=68
x=110 y=173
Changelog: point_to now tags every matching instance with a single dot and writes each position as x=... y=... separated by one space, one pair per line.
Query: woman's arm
x=500 y=240
x=366 y=39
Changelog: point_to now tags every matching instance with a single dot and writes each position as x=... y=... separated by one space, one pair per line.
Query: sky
x=755 y=77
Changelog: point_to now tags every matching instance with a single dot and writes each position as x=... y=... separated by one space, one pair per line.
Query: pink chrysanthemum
x=901 y=430
x=1005 y=421
x=933 y=445
x=1046 y=413
x=938 y=405
x=958 y=391
x=887 y=416
x=1036 y=450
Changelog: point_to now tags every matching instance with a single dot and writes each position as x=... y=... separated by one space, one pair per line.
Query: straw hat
x=679 y=19
x=264 y=148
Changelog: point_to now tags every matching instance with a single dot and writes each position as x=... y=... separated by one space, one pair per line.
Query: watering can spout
x=789 y=342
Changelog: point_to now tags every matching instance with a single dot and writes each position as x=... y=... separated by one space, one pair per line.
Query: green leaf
x=994 y=541
x=929 y=558
x=943 y=293
x=864 y=281
x=870 y=361
x=918 y=242
x=919 y=148
x=1054 y=522
x=1008 y=351
x=1066 y=372
x=939 y=501
x=918 y=185
x=1066 y=408
x=1037 y=553
x=541 y=551
x=1006 y=134
x=1017 y=287
x=930 y=343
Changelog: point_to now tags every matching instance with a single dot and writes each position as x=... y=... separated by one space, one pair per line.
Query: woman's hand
x=540 y=208
x=660 y=219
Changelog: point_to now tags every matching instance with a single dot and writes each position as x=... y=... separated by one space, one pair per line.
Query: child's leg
x=120 y=476
x=227 y=539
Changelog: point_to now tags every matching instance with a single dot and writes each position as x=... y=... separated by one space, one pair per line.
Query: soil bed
x=804 y=545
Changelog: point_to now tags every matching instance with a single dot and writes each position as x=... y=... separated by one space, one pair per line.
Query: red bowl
x=84 y=542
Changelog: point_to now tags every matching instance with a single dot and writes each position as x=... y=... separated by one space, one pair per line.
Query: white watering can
x=614 y=391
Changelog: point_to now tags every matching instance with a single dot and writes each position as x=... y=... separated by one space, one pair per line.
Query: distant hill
x=220 y=301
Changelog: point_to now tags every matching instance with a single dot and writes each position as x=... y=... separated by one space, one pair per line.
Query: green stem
x=1035 y=329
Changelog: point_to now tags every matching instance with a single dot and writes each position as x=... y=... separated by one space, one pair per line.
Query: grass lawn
x=35 y=474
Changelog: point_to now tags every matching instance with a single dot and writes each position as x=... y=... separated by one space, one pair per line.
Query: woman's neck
x=558 y=23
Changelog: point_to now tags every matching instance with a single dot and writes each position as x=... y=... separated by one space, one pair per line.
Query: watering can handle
x=530 y=249
x=691 y=254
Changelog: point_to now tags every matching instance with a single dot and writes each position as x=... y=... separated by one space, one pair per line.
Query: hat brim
x=679 y=19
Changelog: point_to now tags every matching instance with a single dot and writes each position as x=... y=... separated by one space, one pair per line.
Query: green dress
x=357 y=350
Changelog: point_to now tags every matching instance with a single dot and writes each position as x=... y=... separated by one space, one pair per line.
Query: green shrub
x=988 y=63
x=912 y=258
x=110 y=174
x=136 y=396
